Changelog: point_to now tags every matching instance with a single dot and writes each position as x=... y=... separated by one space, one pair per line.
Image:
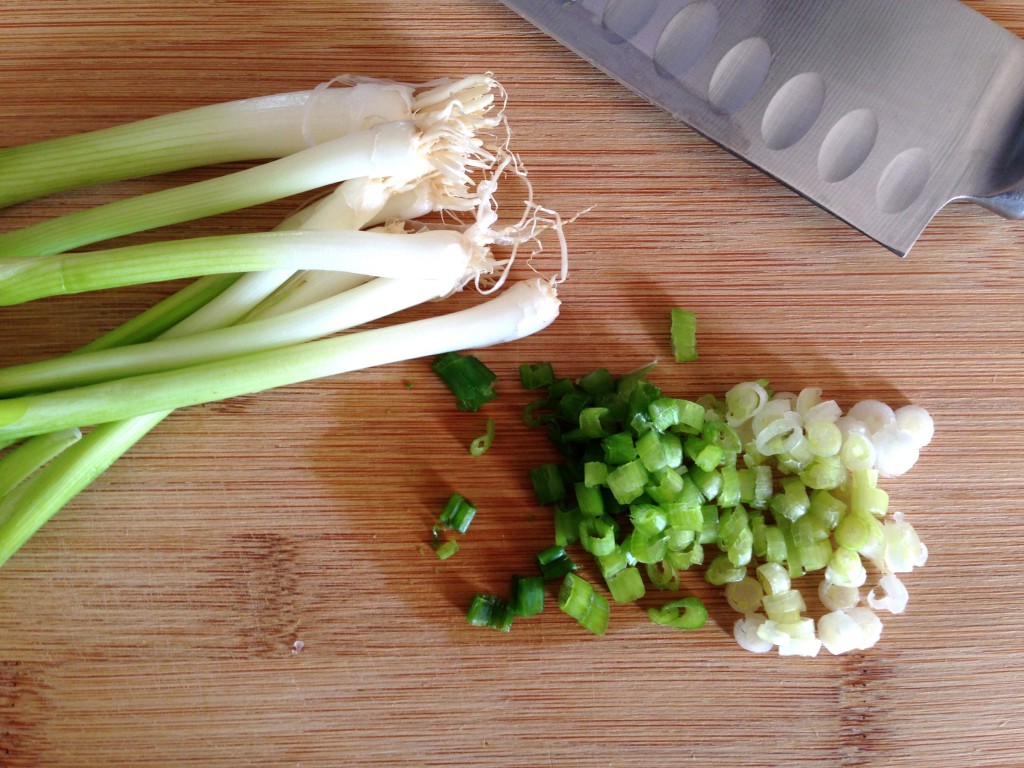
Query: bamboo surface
x=155 y=621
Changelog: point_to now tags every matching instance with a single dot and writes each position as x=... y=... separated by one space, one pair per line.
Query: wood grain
x=153 y=622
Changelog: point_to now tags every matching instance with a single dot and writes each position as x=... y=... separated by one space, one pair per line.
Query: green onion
x=687 y=613
x=554 y=563
x=626 y=482
x=490 y=611
x=527 y=595
x=619 y=448
x=458 y=513
x=626 y=585
x=480 y=444
x=446 y=549
x=21 y=462
x=469 y=380
x=577 y=598
x=536 y=375
x=683 y=333
x=548 y=485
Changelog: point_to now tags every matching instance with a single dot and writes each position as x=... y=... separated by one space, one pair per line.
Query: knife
x=880 y=112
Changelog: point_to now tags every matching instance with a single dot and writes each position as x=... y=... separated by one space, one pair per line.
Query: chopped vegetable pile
x=758 y=489
x=266 y=307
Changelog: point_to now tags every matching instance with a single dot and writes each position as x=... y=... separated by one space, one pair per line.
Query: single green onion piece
x=589 y=499
x=683 y=333
x=458 y=513
x=784 y=607
x=571 y=405
x=774 y=578
x=567 y=525
x=729 y=495
x=858 y=530
x=757 y=530
x=815 y=555
x=824 y=473
x=577 y=598
x=646 y=548
x=663 y=574
x=548 y=484
x=626 y=585
x=722 y=571
x=708 y=482
x=527 y=595
x=560 y=388
x=744 y=596
x=826 y=508
x=595 y=473
x=665 y=486
x=627 y=481
x=446 y=549
x=709 y=529
x=480 y=445
x=597 y=382
x=664 y=413
x=807 y=530
x=691 y=417
x=595 y=422
x=554 y=563
x=490 y=611
x=619 y=448
x=649 y=519
x=687 y=613
x=536 y=375
x=469 y=379
x=721 y=434
x=684 y=516
x=614 y=562
x=597 y=535
x=775 y=544
x=681 y=559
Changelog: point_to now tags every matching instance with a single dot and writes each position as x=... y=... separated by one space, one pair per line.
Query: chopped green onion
x=577 y=598
x=626 y=585
x=469 y=379
x=687 y=613
x=597 y=382
x=490 y=611
x=554 y=563
x=527 y=595
x=626 y=482
x=744 y=596
x=458 y=513
x=480 y=444
x=595 y=421
x=536 y=375
x=590 y=499
x=619 y=448
x=446 y=549
x=683 y=333
x=722 y=571
x=595 y=473
x=548 y=484
x=567 y=525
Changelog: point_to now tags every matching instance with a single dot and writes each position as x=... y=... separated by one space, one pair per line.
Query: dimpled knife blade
x=879 y=112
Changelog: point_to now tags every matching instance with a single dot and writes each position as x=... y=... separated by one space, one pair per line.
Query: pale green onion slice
x=895 y=597
x=744 y=596
x=874 y=414
x=903 y=549
x=828 y=410
x=779 y=435
x=774 y=578
x=744 y=401
x=918 y=422
x=870 y=625
x=858 y=451
x=807 y=399
x=896 y=451
x=823 y=437
x=840 y=633
x=784 y=606
x=745 y=631
x=836 y=597
x=846 y=569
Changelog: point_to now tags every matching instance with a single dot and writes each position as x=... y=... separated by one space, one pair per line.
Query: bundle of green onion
x=759 y=488
x=266 y=308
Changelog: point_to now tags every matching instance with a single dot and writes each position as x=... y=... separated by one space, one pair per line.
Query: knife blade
x=879 y=112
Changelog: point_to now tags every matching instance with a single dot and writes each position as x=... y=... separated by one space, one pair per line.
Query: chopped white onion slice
x=896 y=451
x=895 y=598
x=874 y=414
x=918 y=422
x=903 y=549
x=870 y=625
x=836 y=597
x=745 y=632
x=801 y=647
x=840 y=632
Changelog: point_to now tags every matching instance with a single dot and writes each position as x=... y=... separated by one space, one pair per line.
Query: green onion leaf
x=458 y=513
x=490 y=611
x=683 y=334
x=687 y=613
x=469 y=380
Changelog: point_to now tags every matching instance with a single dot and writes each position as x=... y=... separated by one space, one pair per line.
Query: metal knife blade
x=880 y=112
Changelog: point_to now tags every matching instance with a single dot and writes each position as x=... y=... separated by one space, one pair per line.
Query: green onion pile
x=265 y=309
x=757 y=489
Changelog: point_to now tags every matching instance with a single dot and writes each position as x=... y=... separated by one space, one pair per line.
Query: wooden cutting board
x=158 y=619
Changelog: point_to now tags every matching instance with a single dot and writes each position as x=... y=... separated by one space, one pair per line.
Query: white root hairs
x=465 y=133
